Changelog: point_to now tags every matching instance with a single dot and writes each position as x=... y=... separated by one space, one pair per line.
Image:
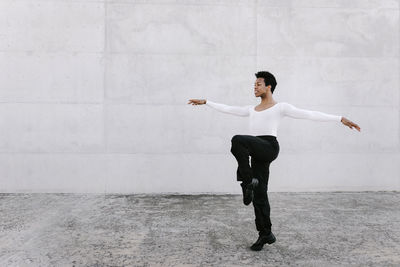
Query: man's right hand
x=350 y=124
x=197 y=101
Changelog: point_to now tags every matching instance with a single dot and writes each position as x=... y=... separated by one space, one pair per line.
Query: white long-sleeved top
x=266 y=122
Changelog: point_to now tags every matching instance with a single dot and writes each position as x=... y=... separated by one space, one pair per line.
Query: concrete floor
x=312 y=229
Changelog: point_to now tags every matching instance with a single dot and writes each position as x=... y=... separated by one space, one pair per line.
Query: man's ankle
x=264 y=232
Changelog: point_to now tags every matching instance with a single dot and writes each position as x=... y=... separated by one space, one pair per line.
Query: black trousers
x=263 y=150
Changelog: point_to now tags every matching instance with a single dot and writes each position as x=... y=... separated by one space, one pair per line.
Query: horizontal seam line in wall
x=194 y=54
x=213 y=54
x=32 y=52
x=53 y=103
x=185 y=104
x=227 y=3
x=333 y=7
x=116 y=2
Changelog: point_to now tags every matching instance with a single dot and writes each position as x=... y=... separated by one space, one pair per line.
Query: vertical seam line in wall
x=256 y=31
x=105 y=57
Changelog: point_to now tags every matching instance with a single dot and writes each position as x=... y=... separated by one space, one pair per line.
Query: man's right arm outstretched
x=242 y=111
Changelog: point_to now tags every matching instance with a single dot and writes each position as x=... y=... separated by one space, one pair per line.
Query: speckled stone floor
x=312 y=229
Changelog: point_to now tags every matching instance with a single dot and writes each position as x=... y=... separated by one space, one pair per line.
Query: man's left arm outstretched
x=298 y=113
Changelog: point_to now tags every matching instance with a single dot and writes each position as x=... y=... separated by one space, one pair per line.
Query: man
x=262 y=146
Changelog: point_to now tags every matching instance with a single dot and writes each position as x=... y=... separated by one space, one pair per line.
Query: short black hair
x=269 y=79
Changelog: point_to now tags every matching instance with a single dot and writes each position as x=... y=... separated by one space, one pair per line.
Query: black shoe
x=262 y=240
x=247 y=191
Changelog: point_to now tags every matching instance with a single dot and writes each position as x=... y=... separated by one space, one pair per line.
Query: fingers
x=352 y=124
x=355 y=126
x=194 y=102
x=197 y=101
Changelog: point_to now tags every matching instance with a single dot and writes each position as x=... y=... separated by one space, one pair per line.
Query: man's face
x=259 y=87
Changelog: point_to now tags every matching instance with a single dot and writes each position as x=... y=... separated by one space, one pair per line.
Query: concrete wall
x=94 y=93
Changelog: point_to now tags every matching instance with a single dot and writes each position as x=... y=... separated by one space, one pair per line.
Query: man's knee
x=235 y=139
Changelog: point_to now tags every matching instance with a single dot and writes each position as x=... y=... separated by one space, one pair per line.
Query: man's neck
x=267 y=100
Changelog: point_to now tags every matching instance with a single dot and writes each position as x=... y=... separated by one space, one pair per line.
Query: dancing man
x=262 y=146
